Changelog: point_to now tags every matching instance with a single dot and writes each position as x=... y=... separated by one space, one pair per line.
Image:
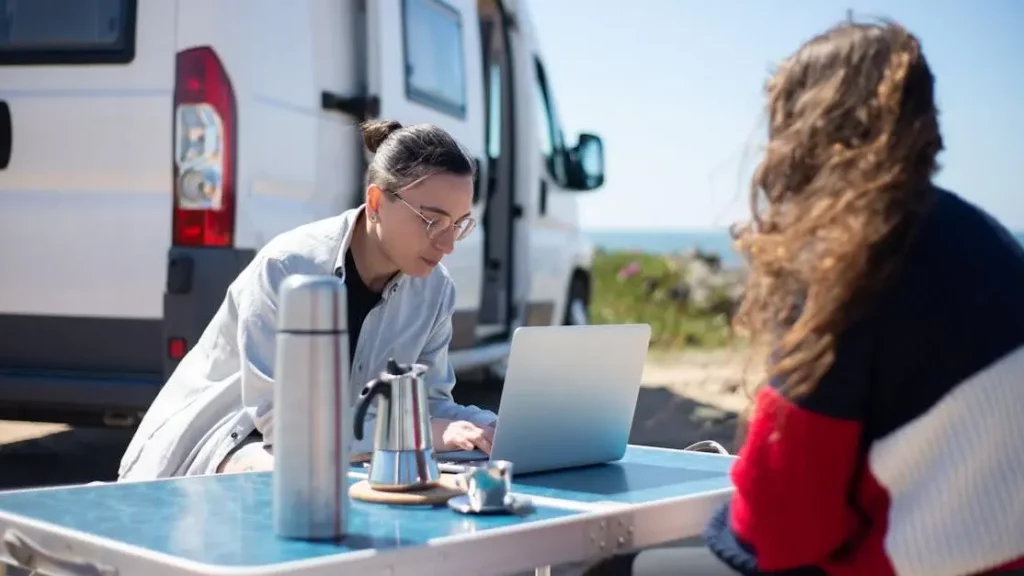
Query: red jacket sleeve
x=796 y=471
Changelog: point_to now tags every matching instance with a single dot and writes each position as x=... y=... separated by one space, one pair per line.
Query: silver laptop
x=568 y=399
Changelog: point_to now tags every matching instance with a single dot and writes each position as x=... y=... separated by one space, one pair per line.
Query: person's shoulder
x=438 y=287
x=310 y=248
x=439 y=281
x=441 y=276
x=968 y=226
x=958 y=233
x=307 y=238
x=964 y=269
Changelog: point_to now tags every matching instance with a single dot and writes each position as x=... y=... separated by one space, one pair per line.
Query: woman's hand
x=461 y=435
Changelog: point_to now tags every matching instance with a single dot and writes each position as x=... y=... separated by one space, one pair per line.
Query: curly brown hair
x=853 y=139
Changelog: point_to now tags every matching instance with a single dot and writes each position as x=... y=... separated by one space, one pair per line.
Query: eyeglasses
x=438 y=224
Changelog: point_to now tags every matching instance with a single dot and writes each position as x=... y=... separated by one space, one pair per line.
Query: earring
x=373 y=218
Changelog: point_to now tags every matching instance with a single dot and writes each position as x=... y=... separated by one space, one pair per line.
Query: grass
x=652 y=294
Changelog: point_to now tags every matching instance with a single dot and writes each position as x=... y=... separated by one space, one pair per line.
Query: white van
x=148 y=148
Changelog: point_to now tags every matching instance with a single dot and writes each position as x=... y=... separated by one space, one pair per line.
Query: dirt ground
x=685 y=397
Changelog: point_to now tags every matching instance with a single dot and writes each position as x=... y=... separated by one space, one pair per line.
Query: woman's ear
x=373 y=198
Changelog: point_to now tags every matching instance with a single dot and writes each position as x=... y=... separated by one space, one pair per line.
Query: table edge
x=42 y=531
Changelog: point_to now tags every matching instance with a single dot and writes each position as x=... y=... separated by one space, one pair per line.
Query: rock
x=707 y=285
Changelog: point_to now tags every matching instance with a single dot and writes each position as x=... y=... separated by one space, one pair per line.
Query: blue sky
x=674 y=88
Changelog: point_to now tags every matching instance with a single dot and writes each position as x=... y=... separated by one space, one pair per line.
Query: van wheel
x=577 y=308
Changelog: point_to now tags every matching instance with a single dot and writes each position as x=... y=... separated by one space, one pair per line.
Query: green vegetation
x=661 y=291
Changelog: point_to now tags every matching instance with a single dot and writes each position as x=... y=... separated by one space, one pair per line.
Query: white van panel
x=86 y=197
x=339 y=64
x=551 y=225
x=387 y=77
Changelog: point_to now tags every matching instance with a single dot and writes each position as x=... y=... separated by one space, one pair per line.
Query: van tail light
x=205 y=151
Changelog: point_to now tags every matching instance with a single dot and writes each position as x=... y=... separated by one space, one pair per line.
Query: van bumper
x=197 y=280
x=75 y=397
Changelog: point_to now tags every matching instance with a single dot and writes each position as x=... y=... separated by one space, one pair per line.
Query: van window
x=67 y=31
x=434 y=61
x=552 y=143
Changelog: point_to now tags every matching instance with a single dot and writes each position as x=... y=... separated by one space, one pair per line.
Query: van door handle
x=6 y=135
x=361 y=107
x=543 y=196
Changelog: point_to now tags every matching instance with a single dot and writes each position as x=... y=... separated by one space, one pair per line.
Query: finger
x=480 y=440
x=464 y=443
x=488 y=433
x=484 y=445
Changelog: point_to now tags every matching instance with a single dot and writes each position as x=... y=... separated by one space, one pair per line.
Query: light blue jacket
x=223 y=389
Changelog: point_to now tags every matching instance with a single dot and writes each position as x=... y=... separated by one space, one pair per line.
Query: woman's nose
x=446 y=241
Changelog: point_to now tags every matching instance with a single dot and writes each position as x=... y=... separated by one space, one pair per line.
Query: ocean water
x=668 y=242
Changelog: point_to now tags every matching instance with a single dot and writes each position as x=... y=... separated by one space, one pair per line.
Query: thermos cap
x=312 y=303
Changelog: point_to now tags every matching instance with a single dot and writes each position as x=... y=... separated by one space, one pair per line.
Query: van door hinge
x=610 y=535
x=361 y=107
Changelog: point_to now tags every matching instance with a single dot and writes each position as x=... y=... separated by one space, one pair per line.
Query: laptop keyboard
x=460 y=456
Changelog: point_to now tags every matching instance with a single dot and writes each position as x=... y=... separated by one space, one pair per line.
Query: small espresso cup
x=487 y=485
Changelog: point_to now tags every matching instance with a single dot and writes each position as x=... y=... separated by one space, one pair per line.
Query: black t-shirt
x=360 y=301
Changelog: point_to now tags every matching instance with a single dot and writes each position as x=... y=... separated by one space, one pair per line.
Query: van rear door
x=85 y=191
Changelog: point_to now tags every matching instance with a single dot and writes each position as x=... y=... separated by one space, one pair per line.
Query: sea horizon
x=715 y=241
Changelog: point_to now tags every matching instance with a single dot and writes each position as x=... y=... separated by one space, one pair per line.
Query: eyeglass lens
x=440 y=224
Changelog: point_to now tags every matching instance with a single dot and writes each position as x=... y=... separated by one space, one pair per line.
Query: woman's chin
x=420 y=268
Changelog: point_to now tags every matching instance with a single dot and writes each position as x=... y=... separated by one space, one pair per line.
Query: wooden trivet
x=445 y=488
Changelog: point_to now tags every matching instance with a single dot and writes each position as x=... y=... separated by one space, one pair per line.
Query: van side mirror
x=586 y=163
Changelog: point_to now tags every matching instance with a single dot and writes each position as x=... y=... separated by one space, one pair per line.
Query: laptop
x=568 y=399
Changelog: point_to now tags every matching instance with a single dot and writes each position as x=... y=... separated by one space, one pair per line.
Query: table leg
x=542 y=571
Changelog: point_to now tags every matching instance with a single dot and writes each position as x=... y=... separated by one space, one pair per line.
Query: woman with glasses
x=216 y=414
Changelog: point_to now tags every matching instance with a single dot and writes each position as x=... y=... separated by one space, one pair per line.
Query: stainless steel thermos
x=311 y=409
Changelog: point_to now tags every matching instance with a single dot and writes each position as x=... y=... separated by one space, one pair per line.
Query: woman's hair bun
x=375 y=132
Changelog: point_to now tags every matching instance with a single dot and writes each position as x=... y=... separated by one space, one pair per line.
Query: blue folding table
x=223 y=524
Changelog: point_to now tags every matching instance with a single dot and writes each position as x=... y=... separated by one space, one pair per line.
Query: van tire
x=577 y=306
